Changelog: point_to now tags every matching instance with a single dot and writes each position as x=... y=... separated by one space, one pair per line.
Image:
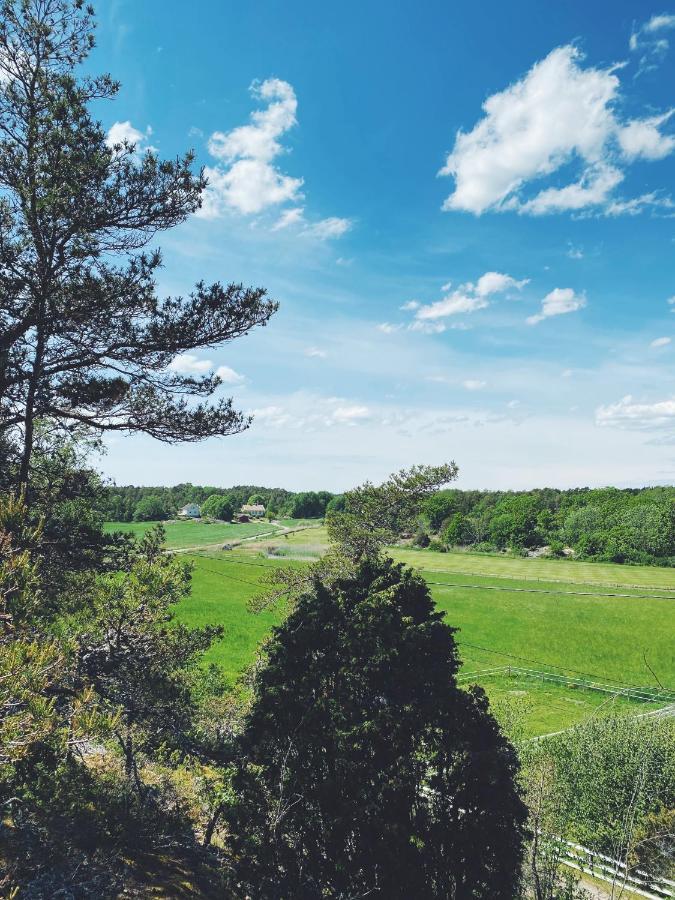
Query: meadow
x=182 y=534
x=587 y=622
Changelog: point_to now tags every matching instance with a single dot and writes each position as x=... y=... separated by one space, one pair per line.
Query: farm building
x=190 y=511
x=254 y=510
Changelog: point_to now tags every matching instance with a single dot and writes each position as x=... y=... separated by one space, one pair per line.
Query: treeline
x=634 y=525
x=143 y=504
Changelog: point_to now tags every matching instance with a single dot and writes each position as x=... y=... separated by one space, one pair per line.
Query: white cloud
x=470 y=297
x=558 y=302
x=567 y=373
x=472 y=384
x=628 y=413
x=332 y=227
x=347 y=415
x=229 y=376
x=124 y=132
x=642 y=138
x=427 y=327
x=247 y=177
x=558 y=114
x=250 y=181
x=636 y=205
x=592 y=189
x=650 y=43
x=314 y=352
x=660 y=342
x=291 y=216
x=410 y=306
x=189 y=364
x=671 y=302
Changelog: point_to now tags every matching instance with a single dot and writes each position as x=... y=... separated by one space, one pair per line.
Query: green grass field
x=616 y=626
x=181 y=534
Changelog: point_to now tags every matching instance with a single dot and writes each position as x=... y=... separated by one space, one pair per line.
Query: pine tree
x=84 y=338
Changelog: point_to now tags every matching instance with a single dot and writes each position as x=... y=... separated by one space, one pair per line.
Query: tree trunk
x=211 y=825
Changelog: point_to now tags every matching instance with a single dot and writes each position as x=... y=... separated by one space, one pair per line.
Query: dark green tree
x=365 y=770
x=84 y=338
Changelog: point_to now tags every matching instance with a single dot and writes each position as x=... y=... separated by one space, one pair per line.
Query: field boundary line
x=619 y=584
x=638 y=693
x=515 y=590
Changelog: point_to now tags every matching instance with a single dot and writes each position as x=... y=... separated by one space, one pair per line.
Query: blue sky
x=466 y=211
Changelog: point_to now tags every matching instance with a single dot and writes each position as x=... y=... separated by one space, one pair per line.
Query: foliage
x=137 y=659
x=632 y=525
x=84 y=338
x=219 y=507
x=151 y=509
x=613 y=776
x=376 y=515
x=364 y=769
x=119 y=502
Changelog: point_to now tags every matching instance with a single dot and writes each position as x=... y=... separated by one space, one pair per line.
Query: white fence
x=614 y=872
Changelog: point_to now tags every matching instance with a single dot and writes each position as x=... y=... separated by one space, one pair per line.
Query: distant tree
x=151 y=509
x=365 y=770
x=84 y=338
x=457 y=530
x=256 y=499
x=219 y=506
x=336 y=503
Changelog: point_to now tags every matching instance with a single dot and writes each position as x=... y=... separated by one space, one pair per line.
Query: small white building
x=253 y=510
x=190 y=511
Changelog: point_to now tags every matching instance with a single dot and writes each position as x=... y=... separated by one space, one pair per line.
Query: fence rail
x=615 y=872
x=638 y=693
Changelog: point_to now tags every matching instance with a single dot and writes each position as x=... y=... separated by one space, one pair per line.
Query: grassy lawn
x=582 y=627
x=544 y=708
x=201 y=534
x=532 y=569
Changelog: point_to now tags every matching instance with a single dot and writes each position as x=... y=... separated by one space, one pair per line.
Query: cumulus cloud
x=558 y=302
x=469 y=297
x=472 y=384
x=410 y=306
x=628 y=413
x=228 y=375
x=660 y=342
x=314 y=352
x=125 y=133
x=189 y=364
x=250 y=181
x=247 y=177
x=388 y=328
x=559 y=114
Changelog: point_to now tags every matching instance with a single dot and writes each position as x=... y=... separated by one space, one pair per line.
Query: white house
x=190 y=511
x=254 y=510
